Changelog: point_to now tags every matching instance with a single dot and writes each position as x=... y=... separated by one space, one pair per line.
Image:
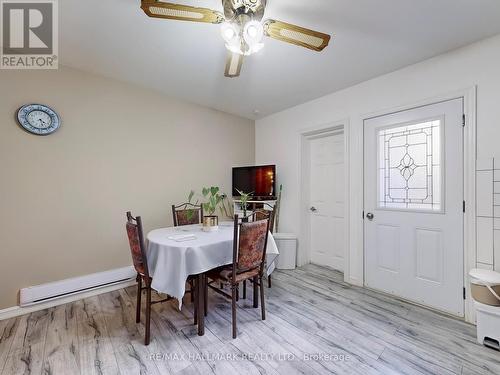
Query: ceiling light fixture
x=253 y=32
x=229 y=32
x=231 y=35
x=243 y=43
x=242 y=29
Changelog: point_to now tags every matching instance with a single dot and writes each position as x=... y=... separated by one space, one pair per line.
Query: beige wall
x=63 y=197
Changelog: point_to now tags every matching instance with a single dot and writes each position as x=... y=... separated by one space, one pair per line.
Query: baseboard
x=57 y=289
x=14 y=311
x=354 y=281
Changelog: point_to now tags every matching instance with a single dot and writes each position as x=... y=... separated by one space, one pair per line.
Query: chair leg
x=139 y=293
x=269 y=281
x=255 y=292
x=262 y=306
x=200 y=282
x=205 y=295
x=244 y=289
x=148 y=316
x=195 y=307
x=233 y=307
x=191 y=285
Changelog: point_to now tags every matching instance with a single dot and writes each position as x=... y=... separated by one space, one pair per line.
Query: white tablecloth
x=171 y=262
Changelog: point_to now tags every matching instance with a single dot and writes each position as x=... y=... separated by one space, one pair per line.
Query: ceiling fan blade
x=233 y=65
x=297 y=35
x=159 y=9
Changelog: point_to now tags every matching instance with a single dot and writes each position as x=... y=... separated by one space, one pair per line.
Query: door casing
x=304 y=255
x=415 y=219
x=469 y=183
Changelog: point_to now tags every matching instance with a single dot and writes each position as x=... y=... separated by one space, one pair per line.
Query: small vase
x=210 y=223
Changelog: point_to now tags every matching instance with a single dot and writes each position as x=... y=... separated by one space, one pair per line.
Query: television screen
x=260 y=181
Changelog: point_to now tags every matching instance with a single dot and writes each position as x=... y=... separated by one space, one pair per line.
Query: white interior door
x=414 y=205
x=327 y=197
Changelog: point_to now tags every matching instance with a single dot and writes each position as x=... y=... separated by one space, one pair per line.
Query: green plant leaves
x=213 y=199
x=211 y=194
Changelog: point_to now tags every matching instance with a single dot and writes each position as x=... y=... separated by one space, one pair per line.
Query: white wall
x=277 y=136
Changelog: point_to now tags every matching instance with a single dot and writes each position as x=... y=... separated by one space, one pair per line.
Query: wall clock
x=38 y=119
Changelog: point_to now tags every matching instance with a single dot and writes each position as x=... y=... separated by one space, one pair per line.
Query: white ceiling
x=186 y=60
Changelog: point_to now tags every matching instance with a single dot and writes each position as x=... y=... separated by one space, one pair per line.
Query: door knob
x=370 y=216
x=313 y=209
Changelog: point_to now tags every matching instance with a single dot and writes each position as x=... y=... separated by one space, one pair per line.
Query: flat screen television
x=258 y=180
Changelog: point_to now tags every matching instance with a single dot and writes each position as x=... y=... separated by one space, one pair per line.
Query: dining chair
x=137 y=248
x=259 y=214
x=249 y=252
x=135 y=235
x=263 y=213
x=187 y=214
x=267 y=211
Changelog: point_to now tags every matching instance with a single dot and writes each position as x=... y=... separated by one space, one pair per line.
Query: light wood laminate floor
x=316 y=324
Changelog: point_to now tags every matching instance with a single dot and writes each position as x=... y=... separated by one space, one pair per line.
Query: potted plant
x=244 y=198
x=213 y=199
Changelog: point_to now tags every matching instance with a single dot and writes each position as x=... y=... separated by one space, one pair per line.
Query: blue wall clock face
x=38 y=119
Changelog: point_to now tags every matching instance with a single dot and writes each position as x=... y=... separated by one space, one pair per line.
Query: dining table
x=175 y=253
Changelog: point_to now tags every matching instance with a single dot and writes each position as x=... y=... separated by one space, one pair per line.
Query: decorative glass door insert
x=410 y=166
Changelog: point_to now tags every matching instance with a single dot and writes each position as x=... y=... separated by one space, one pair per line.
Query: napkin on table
x=182 y=237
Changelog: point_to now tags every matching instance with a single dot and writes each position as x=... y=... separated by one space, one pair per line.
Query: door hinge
x=464 y=293
x=463 y=206
x=363 y=215
x=463 y=119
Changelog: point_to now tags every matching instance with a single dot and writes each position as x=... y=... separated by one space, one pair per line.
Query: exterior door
x=327 y=195
x=414 y=205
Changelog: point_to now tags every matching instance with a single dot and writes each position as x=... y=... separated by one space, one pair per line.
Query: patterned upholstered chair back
x=268 y=212
x=251 y=251
x=187 y=214
x=136 y=241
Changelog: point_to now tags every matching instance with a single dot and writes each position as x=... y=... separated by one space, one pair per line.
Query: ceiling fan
x=242 y=27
